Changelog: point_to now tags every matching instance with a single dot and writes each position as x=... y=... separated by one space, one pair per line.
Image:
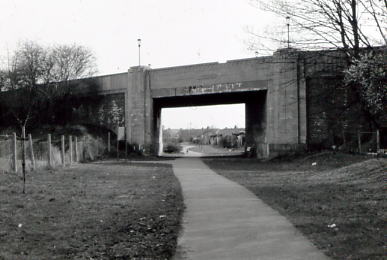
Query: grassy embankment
x=336 y=200
x=92 y=211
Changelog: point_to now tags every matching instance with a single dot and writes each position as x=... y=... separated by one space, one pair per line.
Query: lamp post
x=288 y=25
x=139 y=52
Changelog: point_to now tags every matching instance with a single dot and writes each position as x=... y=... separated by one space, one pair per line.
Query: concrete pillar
x=286 y=123
x=157 y=131
x=140 y=108
x=256 y=115
x=302 y=112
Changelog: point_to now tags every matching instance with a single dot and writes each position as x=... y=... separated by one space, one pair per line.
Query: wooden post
x=49 y=150
x=267 y=150
x=14 y=152
x=24 y=157
x=63 y=151
x=97 y=144
x=71 y=149
x=76 y=149
x=377 y=141
x=118 y=142
x=23 y=148
x=84 y=148
x=343 y=136
x=359 y=141
x=126 y=148
x=108 y=144
x=32 y=151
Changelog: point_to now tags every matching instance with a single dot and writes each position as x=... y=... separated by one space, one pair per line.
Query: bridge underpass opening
x=212 y=124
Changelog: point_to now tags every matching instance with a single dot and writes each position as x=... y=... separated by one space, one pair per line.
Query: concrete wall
x=277 y=118
x=107 y=84
x=233 y=76
x=272 y=88
x=286 y=106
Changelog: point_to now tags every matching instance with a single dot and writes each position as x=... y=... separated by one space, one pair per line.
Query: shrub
x=172 y=148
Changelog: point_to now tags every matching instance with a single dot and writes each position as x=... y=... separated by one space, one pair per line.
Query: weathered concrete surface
x=273 y=89
x=223 y=220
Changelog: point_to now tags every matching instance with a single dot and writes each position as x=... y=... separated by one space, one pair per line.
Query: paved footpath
x=223 y=220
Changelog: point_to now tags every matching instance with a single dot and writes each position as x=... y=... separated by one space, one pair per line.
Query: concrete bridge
x=272 y=88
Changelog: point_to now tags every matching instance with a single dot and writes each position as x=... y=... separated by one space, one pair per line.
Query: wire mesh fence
x=362 y=142
x=6 y=152
x=50 y=152
x=368 y=142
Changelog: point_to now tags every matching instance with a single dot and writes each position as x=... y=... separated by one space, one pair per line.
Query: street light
x=288 y=25
x=139 y=51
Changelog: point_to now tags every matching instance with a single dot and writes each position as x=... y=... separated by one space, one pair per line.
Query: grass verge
x=338 y=202
x=94 y=211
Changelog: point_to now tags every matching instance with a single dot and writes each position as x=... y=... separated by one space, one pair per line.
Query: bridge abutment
x=272 y=88
x=140 y=109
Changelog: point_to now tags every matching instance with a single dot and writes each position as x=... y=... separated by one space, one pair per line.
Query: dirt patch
x=94 y=211
x=340 y=209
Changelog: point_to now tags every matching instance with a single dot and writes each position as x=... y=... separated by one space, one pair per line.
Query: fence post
x=76 y=149
x=108 y=144
x=63 y=150
x=377 y=141
x=343 y=136
x=267 y=150
x=126 y=148
x=118 y=155
x=49 y=149
x=359 y=140
x=32 y=151
x=84 y=148
x=71 y=149
x=14 y=152
x=97 y=144
x=24 y=157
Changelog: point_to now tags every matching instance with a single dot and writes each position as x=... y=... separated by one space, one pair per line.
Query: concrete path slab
x=223 y=220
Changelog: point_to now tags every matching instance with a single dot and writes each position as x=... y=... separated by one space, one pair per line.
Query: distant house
x=241 y=136
x=230 y=138
x=213 y=140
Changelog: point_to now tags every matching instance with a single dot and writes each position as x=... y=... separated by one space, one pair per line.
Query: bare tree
x=63 y=64
x=72 y=62
x=36 y=75
x=23 y=75
x=319 y=24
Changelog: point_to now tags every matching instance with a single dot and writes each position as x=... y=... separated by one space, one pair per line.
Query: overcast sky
x=212 y=116
x=173 y=32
